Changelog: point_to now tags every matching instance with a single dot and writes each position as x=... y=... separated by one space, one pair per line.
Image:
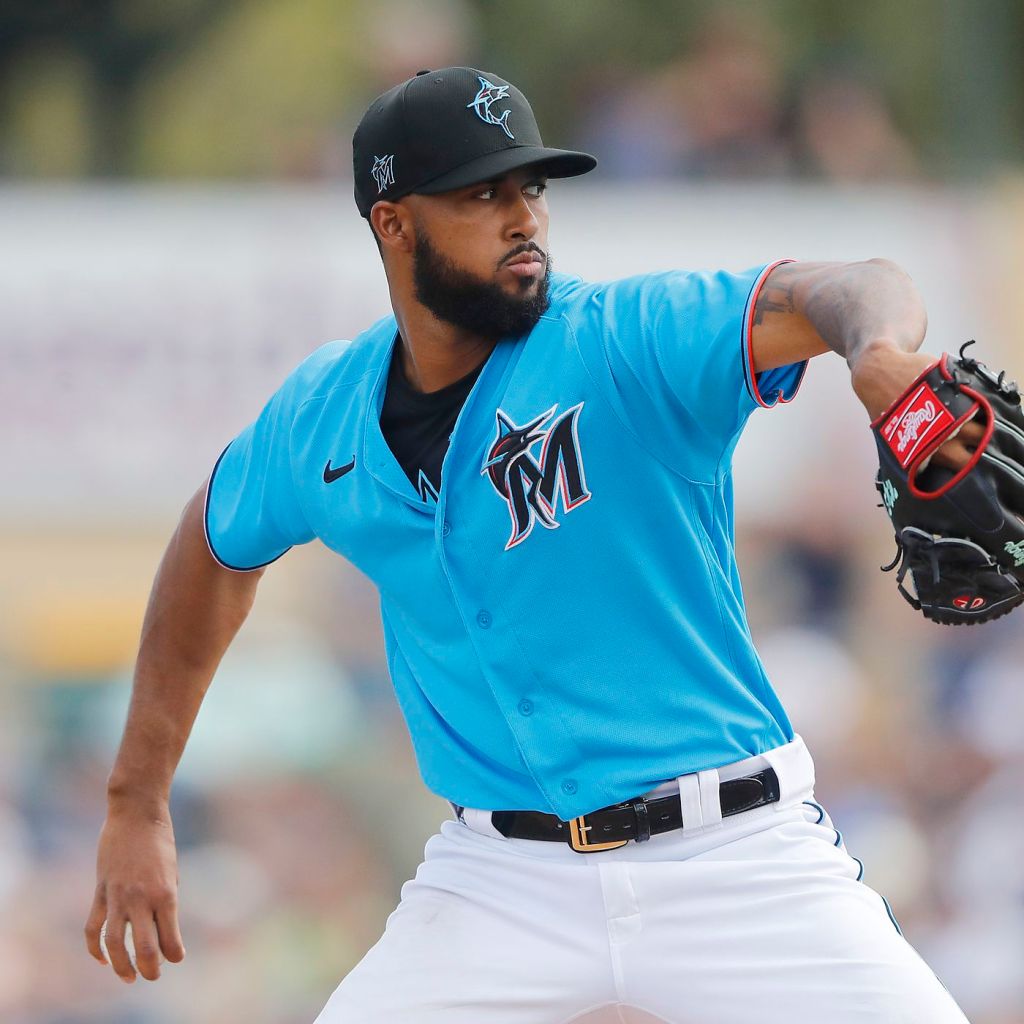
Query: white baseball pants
x=757 y=917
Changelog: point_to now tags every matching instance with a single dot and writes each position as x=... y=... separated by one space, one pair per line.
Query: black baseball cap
x=442 y=130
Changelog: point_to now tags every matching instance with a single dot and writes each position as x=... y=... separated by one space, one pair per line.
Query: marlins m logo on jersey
x=488 y=95
x=532 y=485
x=383 y=171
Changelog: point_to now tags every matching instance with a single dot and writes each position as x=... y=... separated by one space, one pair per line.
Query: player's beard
x=481 y=307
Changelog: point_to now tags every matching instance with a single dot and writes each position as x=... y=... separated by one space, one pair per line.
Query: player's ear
x=392 y=225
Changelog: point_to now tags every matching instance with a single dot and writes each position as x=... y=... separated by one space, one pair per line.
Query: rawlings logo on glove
x=959 y=533
x=903 y=431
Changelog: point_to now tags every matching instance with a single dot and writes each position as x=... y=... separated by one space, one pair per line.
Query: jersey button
x=526 y=707
x=569 y=786
x=446 y=528
x=483 y=619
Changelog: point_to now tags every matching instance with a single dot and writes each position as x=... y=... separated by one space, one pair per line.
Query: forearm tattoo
x=847 y=305
x=774 y=298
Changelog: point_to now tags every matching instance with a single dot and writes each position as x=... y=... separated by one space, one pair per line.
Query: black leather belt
x=638 y=819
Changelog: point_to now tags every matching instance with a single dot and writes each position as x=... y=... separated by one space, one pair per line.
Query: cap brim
x=558 y=163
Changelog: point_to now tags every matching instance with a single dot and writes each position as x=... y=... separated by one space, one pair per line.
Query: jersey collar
x=378 y=459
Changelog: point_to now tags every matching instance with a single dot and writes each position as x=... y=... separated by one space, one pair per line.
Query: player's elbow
x=888 y=266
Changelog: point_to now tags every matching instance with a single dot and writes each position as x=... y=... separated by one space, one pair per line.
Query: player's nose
x=523 y=222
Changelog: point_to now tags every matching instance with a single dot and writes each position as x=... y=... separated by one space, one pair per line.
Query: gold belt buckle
x=578 y=840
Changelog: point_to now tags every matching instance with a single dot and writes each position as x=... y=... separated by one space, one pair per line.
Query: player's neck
x=434 y=353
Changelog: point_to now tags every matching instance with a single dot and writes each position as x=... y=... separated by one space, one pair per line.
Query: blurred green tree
x=69 y=73
x=258 y=88
x=257 y=95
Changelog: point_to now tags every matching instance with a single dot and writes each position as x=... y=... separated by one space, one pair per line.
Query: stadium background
x=178 y=231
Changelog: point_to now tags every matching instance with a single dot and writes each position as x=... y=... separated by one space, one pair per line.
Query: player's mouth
x=526 y=264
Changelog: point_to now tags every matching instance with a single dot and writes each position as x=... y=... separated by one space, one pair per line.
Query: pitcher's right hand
x=137 y=882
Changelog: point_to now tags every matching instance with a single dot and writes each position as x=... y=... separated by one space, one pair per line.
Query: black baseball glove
x=960 y=533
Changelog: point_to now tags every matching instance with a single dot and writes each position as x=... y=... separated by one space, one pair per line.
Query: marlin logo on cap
x=488 y=95
x=383 y=171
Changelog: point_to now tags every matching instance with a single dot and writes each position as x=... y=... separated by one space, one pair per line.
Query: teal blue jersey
x=563 y=620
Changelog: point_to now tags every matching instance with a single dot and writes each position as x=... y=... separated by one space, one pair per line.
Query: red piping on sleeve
x=748 y=342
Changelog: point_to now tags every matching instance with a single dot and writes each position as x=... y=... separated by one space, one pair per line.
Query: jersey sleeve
x=253 y=515
x=676 y=355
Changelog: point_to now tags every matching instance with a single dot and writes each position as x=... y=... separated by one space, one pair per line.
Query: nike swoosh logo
x=330 y=475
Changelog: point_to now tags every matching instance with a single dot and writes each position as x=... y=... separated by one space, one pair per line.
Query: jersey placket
x=547 y=747
x=484 y=632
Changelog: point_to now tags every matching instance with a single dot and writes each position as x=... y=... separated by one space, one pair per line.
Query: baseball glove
x=959 y=533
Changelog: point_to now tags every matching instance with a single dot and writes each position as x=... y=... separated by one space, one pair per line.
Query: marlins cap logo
x=488 y=95
x=383 y=171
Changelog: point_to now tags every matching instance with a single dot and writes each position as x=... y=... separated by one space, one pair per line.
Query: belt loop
x=643 y=821
x=480 y=821
x=710 y=797
x=689 y=798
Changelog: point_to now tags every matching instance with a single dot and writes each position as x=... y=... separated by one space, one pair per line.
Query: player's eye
x=487 y=193
x=536 y=189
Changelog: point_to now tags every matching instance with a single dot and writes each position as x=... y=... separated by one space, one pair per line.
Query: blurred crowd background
x=178 y=231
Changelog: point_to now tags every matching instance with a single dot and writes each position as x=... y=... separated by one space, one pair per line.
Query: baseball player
x=535 y=472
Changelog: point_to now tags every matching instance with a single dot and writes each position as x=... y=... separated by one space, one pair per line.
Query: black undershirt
x=418 y=424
